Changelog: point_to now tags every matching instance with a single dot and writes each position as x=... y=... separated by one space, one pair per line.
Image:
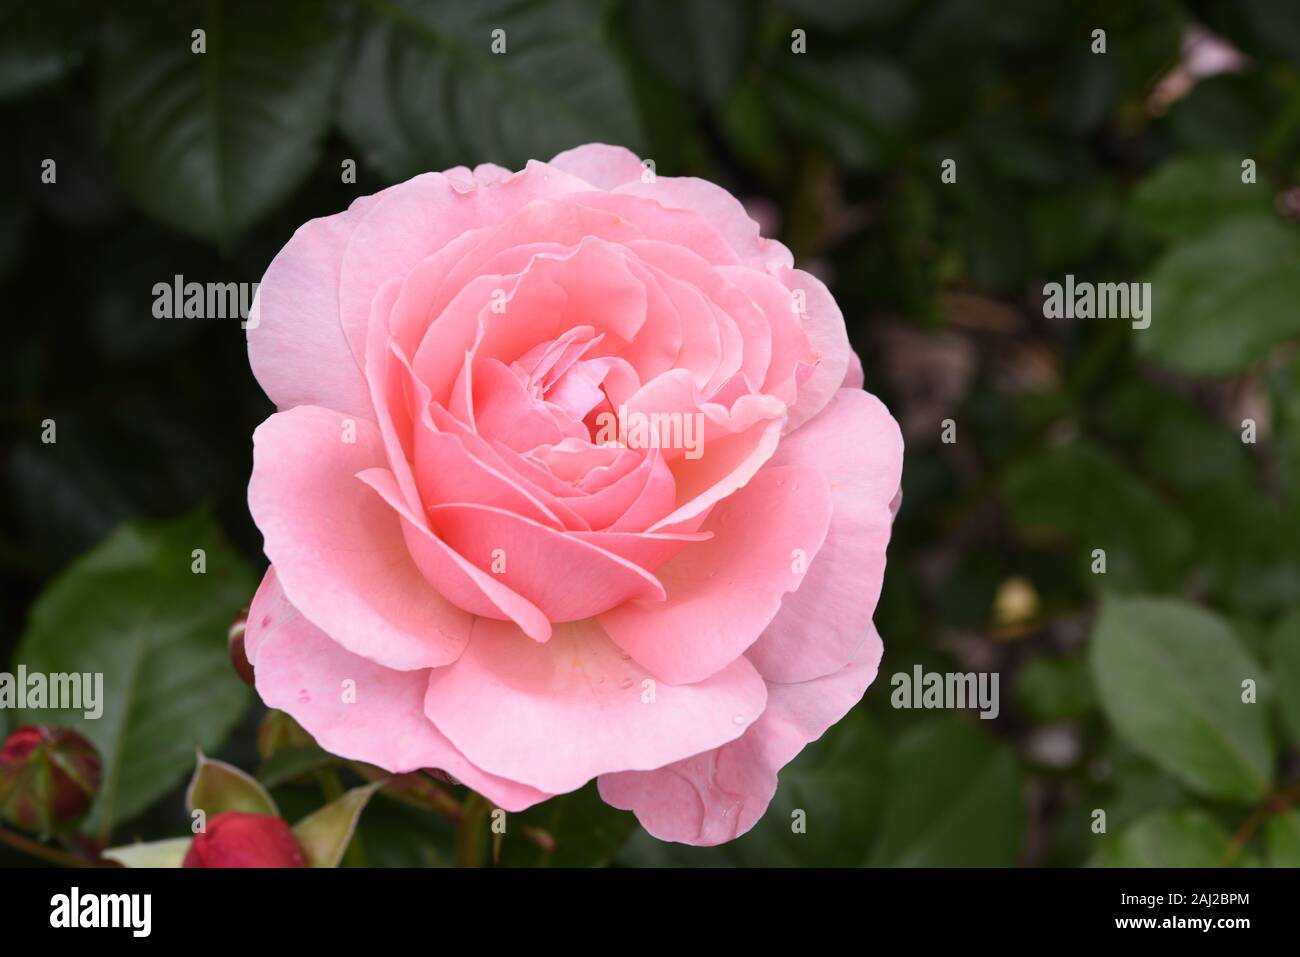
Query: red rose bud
x=235 y=645
x=239 y=839
x=48 y=778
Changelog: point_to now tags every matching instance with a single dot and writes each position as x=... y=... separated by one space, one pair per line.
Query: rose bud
x=235 y=645
x=239 y=839
x=48 y=778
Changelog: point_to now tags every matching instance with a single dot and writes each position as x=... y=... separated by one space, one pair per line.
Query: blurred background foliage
x=1119 y=691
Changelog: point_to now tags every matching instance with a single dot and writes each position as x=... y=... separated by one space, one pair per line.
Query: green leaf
x=854 y=107
x=132 y=610
x=168 y=853
x=1231 y=111
x=1286 y=438
x=426 y=91
x=1247 y=549
x=836 y=787
x=209 y=142
x=1170 y=680
x=325 y=834
x=1181 y=838
x=1070 y=224
x=1277 y=23
x=1223 y=299
x=587 y=832
x=287 y=764
x=699 y=47
x=131 y=458
x=1130 y=787
x=1191 y=194
x=41 y=42
x=843 y=14
x=954 y=800
x=218 y=787
x=1190 y=452
x=398 y=835
x=1081 y=493
x=1285 y=646
x=1055 y=689
x=1282 y=839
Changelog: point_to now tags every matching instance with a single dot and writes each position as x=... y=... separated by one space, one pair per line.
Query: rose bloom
x=482 y=563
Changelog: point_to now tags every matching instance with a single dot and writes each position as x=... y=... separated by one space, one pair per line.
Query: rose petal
x=722 y=593
x=338 y=549
x=824 y=325
x=600 y=165
x=451 y=575
x=717 y=796
x=721 y=210
x=855 y=443
x=555 y=715
x=296 y=343
x=565 y=577
x=302 y=672
x=417 y=218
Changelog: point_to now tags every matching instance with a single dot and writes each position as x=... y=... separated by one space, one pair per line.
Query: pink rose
x=572 y=477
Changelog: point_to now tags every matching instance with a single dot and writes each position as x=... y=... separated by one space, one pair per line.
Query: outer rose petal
x=853 y=378
x=555 y=715
x=414 y=219
x=856 y=444
x=296 y=344
x=338 y=548
x=268 y=608
x=301 y=671
x=824 y=324
x=722 y=593
x=719 y=795
x=720 y=210
x=600 y=165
